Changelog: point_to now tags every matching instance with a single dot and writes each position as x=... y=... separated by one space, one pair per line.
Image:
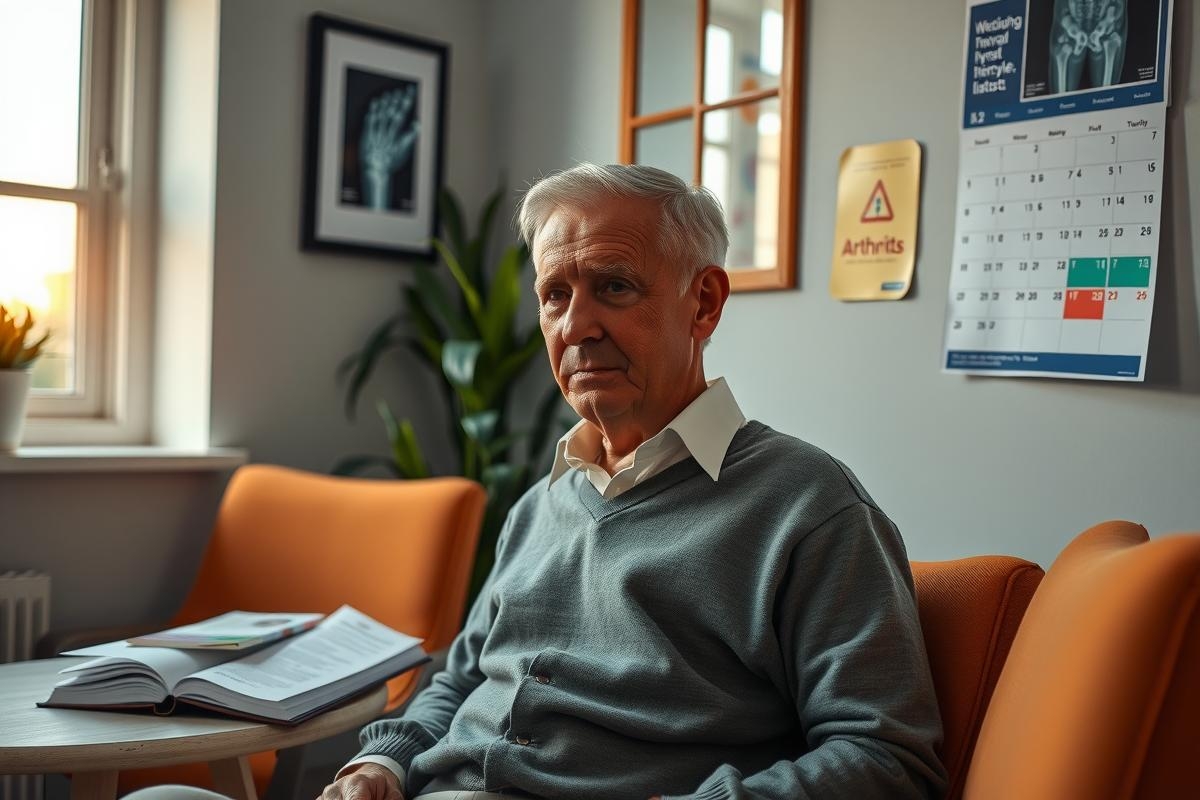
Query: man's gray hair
x=691 y=229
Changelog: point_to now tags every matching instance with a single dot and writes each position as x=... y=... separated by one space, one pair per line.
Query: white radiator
x=24 y=616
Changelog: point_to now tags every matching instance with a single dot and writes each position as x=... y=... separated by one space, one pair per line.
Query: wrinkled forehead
x=606 y=227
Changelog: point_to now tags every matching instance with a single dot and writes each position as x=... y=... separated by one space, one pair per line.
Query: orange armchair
x=1082 y=684
x=970 y=609
x=399 y=551
x=1100 y=696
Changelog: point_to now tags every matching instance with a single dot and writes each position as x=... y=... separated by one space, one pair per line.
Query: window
x=711 y=93
x=71 y=107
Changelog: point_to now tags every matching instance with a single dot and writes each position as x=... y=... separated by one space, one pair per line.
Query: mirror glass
x=667 y=146
x=666 y=55
x=740 y=165
x=744 y=47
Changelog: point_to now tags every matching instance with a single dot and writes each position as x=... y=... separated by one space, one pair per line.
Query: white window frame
x=115 y=243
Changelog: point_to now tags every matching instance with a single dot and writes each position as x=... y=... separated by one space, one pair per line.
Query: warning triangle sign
x=879 y=207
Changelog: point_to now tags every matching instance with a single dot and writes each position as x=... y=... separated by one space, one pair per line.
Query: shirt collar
x=706 y=427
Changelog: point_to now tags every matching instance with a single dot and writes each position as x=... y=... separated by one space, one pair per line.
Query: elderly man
x=689 y=604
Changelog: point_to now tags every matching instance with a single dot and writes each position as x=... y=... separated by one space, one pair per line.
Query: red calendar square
x=1084 y=304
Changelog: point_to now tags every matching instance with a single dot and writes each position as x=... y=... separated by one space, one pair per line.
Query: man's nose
x=581 y=322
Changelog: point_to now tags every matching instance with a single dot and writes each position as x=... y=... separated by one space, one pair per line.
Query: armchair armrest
x=58 y=641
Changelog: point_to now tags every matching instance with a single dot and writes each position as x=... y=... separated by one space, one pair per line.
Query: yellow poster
x=875 y=241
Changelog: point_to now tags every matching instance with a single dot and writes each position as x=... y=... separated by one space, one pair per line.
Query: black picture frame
x=374 y=139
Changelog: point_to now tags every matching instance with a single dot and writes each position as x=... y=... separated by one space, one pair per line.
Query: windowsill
x=139 y=458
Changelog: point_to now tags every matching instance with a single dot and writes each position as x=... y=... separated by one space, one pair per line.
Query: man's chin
x=593 y=402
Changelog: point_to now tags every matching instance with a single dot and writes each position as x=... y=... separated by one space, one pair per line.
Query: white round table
x=94 y=746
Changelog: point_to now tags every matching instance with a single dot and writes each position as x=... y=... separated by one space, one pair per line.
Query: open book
x=285 y=682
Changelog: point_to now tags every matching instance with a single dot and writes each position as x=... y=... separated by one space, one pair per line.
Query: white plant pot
x=14 y=392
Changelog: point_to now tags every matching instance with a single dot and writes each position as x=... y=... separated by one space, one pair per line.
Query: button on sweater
x=755 y=636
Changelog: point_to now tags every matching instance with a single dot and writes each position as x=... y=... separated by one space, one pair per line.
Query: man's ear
x=712 y=290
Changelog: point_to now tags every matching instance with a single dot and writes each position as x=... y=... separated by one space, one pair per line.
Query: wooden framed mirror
x=710 y=91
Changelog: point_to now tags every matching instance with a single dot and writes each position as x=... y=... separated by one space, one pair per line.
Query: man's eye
x=616 y=286
x=554 y=296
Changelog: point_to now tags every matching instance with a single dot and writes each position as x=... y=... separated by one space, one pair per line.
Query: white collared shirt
x=703 y=431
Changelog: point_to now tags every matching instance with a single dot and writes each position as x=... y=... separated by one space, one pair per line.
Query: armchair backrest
x=399 y=551
x=1100 y=695
x=970 y=609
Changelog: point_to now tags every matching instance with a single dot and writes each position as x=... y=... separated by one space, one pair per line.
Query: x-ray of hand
x=388 y=137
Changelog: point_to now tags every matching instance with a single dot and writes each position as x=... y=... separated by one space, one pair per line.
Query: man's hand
x=366 y=782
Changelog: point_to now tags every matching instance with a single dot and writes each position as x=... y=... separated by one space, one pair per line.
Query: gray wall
x=123 y=547
x=283 y=319
x=965 y=465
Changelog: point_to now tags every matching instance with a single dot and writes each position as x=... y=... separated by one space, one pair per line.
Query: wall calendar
x=1059 y=188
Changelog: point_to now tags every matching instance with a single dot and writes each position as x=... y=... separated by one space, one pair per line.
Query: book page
x=116 y=658
x=345 y=643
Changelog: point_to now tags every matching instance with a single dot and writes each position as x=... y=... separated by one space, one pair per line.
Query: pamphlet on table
x=237 y=630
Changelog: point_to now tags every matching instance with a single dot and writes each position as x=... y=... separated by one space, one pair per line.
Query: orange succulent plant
x=15 y=353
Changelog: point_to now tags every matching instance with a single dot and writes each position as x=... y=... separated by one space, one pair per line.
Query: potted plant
x=17 y=355
x=466 y=331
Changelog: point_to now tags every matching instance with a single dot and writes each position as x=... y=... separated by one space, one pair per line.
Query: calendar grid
x=1053 y=258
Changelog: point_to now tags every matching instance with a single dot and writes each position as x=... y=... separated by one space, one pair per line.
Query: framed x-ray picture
x=373 y=139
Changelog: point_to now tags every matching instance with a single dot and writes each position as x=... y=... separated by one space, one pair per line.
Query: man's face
x=622 y=340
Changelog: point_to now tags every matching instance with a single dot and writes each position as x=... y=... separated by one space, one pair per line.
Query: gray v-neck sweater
x=756 y=636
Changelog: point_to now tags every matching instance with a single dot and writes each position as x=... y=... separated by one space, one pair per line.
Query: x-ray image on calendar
x=1059 y=188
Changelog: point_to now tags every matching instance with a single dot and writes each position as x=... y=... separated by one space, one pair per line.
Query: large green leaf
x=470 y=295
x=500 y=444
x=431 y=353
x=452 y=219
x=459 y=358
x=482 y=425
x=513 y=364
x=504 y=297
x=360 y=365
x=406 y=451
x=420 y=315
x=434 y=297
x=472 y=255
